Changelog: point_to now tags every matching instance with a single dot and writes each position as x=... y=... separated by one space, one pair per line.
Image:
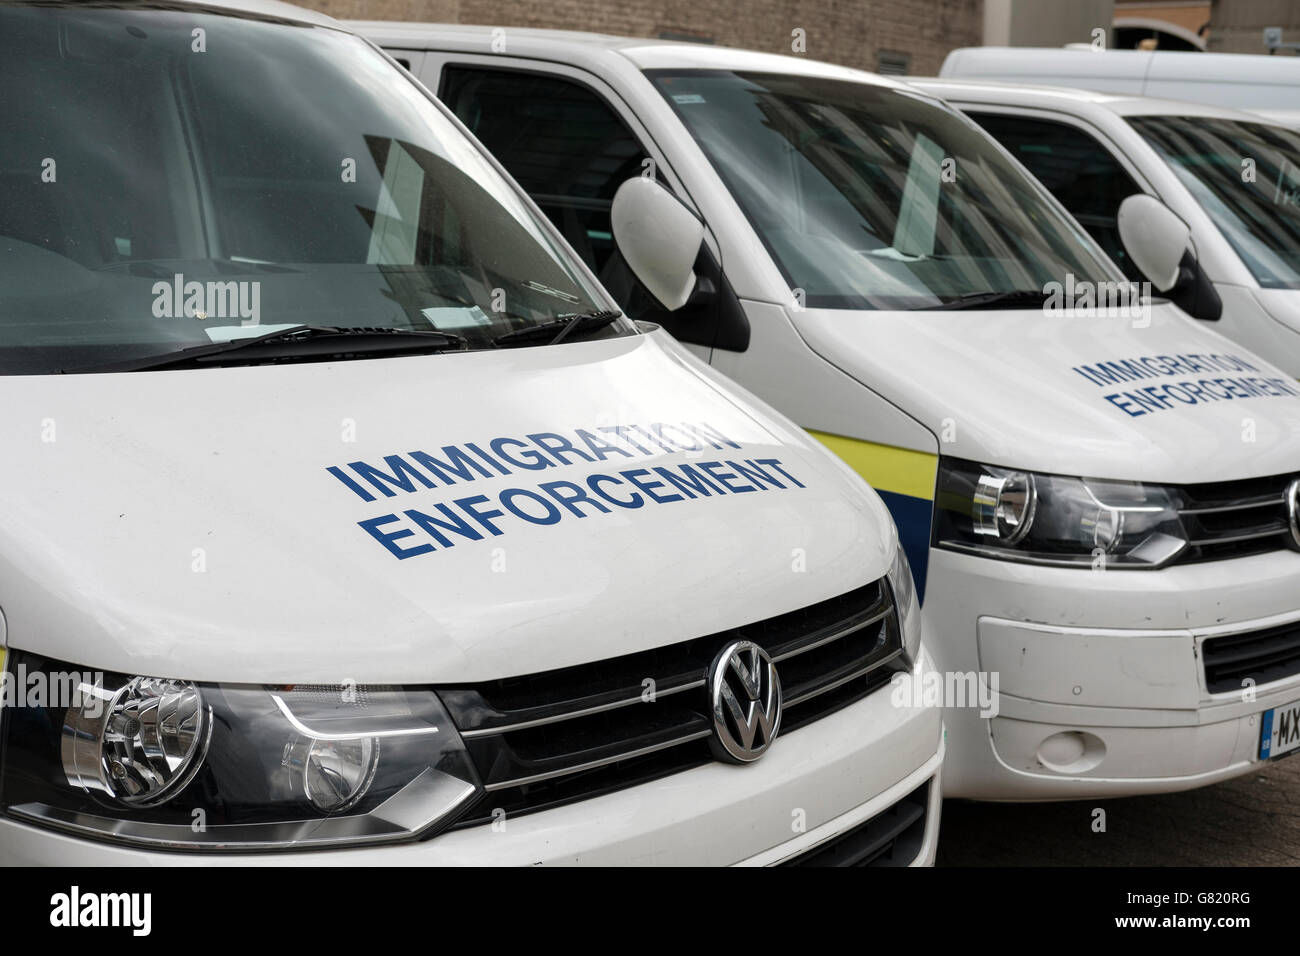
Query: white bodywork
x=1105 y=657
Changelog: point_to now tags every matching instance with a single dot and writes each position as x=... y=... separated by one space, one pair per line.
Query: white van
x=1100 y=508
x=1231 y=180
x=345 y=514
x=1262 y=84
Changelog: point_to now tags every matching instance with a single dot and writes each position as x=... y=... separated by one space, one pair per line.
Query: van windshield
x=171 y=177
x=1247 y=178
x=870 y=197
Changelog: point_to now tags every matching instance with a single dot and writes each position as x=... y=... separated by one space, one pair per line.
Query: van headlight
x=139 y=744
x=906 y=602
x=1055 y=519
x=184 y=765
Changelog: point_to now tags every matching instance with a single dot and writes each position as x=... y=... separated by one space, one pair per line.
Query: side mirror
x=659 y=239
x=1158 y=243
x=1154 y=237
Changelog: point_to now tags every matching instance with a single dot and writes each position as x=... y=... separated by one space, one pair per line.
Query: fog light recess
x=1072 y=752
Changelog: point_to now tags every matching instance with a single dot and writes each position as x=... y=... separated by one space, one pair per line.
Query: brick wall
x=851 y=32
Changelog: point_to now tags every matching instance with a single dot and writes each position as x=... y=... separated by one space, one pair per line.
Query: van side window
x=1081 y=173
x=570 y=151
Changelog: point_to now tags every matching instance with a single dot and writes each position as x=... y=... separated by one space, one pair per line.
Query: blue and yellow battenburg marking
x=904 y=479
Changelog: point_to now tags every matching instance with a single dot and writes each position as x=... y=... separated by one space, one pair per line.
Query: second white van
x=1101 y=504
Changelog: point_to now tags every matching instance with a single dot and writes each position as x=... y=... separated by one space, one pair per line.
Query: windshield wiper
x=559 y=329
x=301 y=343
x=1019 y=298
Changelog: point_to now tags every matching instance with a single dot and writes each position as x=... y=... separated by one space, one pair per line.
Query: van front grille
x=892 y=837
x=1257 y=656
x=550 y=738
x=1232 y=519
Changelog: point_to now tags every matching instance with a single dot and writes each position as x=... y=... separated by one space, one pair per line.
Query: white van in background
x=1231 y=179
x=1109 y=561
x=348 y=522
x=1269 y=85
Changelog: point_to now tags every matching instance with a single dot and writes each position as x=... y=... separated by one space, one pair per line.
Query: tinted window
x=1080 y=172
x=571 y=151
x=560 y=140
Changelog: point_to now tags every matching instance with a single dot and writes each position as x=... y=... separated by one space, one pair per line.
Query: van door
x=1086 y=177
x=1090 y=177
x=562 y=136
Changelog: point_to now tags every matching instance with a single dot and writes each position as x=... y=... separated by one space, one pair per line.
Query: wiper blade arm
x=559 y=329
x=295 y=344
x=975 y=300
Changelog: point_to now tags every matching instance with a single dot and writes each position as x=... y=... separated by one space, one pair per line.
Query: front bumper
x=816 y=784
x=1101 y=687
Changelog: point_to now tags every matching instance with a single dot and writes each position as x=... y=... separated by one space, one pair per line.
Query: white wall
x=1045 y=22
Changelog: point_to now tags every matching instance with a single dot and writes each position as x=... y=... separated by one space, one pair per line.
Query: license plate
x=1279 y=731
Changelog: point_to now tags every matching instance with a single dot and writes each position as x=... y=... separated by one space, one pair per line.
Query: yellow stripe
x=886 y=467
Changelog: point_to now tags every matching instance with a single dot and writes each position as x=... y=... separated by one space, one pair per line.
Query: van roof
x=589 y=50
x=274 y=8
x=1076 y=101
x=269 y=9
x=974 y=62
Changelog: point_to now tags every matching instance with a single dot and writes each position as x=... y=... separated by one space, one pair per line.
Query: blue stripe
x=1266 y=735
x=912 y=515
